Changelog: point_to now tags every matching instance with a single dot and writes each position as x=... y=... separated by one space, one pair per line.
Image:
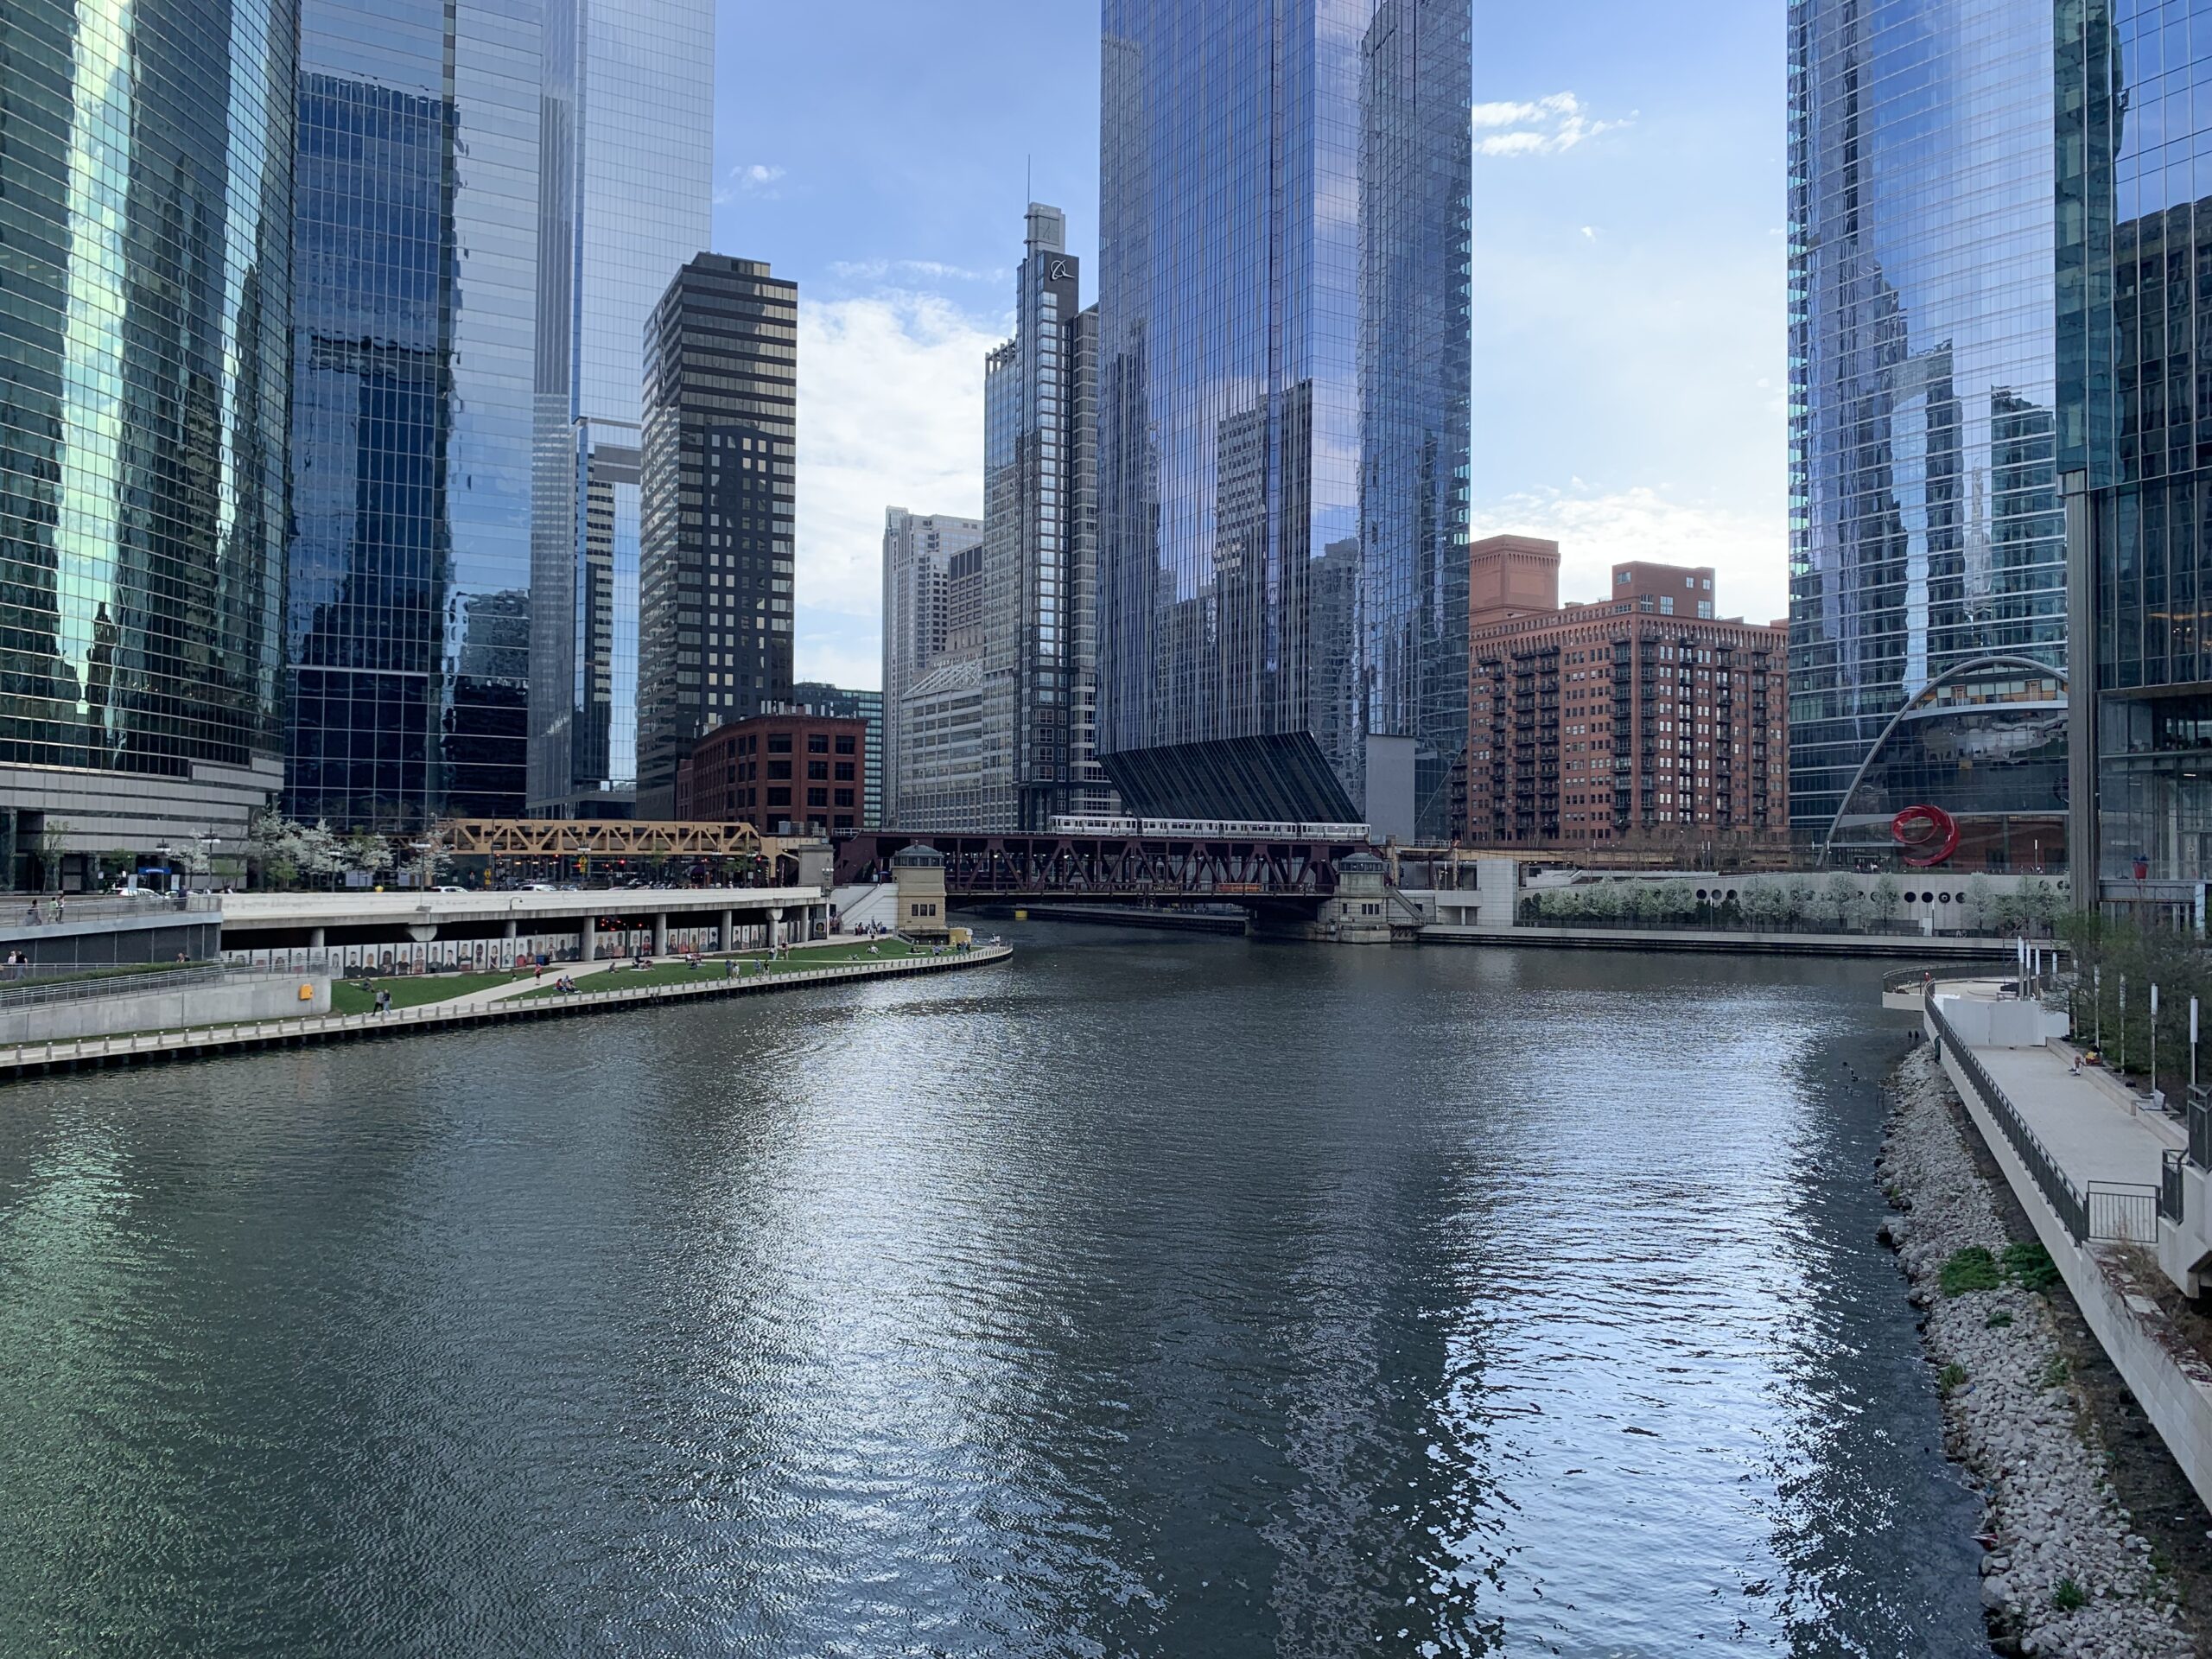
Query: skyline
x=1629 y=334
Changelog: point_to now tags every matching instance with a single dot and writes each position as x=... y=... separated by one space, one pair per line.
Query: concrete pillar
x=727 y=937
x=584 y=937
x=775 y=927
x=508 y=931
x=660 y=933
x=314 y=938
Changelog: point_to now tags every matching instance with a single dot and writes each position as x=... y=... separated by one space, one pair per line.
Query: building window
x=779 y=742
x=780 y=769
x=817 y=742
x=845 y=745
x=779 y=797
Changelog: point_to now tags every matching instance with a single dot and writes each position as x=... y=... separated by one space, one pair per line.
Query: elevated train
x=1208 y=829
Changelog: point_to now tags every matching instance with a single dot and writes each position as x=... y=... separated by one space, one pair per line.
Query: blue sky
x=1628 y=278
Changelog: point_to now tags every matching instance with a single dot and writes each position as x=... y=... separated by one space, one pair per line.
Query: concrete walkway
x=499 y=1005
x=2090 y=1124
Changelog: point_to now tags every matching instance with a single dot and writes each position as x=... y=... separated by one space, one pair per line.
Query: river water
x=1149 y=1294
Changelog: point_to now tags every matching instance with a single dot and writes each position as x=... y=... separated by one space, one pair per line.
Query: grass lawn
x=676 y=973
x=411 y=991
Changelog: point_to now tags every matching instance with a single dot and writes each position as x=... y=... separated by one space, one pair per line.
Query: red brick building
x=1639 y=718
x=773 y=771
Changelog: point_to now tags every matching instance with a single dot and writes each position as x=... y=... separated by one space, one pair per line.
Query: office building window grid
x=721 y=428
x=142 y=417
x=1925 y=526
x=1235 y=454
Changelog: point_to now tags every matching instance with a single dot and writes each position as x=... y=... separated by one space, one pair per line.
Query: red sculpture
x=1929 y=833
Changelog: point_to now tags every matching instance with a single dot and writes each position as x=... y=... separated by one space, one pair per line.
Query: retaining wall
x=159 y=1010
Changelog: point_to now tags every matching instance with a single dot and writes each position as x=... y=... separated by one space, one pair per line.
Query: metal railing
x=1911 y=979
x=153 y=980
x=2064 y=1197
x=214 y=1039
x=2127 y=1212
x=2170 y=1197
x=21 y=910
x=2198 y=1113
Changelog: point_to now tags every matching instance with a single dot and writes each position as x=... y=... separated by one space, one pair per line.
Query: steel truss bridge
x=554 y=838
x=1114 y=869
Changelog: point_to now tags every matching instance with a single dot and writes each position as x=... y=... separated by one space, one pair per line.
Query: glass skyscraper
x=1928 y=568
x=2134 y=93
x=1039 y=571
x=145 y=235
x=416 y=277
x=628 y=163
x=1283 y=407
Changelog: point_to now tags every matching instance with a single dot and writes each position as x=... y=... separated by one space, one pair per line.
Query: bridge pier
x=587 y=942
x=726 y=939
x=660 y=933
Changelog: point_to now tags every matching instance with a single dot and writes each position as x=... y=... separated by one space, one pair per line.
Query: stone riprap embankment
x=2066 y=1573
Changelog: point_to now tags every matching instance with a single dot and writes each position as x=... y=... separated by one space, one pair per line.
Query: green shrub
x=2000 y=1319
x=2054 y=1374
x=2067 y=1596
x=1951 y=1378
x=1971 y=1269
x=2030 y=1266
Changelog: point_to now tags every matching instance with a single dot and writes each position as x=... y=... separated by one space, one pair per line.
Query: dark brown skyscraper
x=715 y=572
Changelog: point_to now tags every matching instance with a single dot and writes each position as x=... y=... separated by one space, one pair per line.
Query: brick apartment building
x=804 y=771
x=1640 y=719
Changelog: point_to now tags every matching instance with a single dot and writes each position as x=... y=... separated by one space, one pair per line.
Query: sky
x=1629 y=344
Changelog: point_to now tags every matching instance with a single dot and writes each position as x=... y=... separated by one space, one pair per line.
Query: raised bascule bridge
x=1295 y=877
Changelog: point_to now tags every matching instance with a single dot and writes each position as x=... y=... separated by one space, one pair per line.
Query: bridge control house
x=1639 y=718
x=786 y=774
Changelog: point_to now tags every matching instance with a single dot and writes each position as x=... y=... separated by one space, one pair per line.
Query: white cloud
x=928 y=270
x=1596 y=530
x=751 y=178
x=1542 y=126
x=890 y=414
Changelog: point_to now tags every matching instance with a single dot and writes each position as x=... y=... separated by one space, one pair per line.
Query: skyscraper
x=721 y=357
x=1927 y=579
x=415 y=272
x=628 y=163
x=146 y=219
x=1283 y=403
x=918 y=549
x=2134 y=92
x=1039 y=577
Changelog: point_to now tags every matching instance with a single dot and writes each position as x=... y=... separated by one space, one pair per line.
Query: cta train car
x=1207 y=828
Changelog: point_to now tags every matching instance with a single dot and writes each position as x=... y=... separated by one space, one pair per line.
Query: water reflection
x=1155 y=1295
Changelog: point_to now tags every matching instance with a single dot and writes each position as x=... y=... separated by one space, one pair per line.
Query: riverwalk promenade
x=2115 y=1190
x=522 y=999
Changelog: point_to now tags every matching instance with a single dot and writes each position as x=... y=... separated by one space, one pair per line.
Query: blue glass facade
x=2134 y=82
x=407 y=614
x=1283 y=394
x=1926 y=531
x=145 y=227
x=627 y=131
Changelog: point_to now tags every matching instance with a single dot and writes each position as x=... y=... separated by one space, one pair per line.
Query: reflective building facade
x=1283 y=407
x=2134 y=89
x=414 y=279
x=145 y=237
x=1040 y=573
x=625 y=201
x=1926 y=529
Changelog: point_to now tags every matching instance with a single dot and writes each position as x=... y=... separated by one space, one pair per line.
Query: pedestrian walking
x=384 y=1001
